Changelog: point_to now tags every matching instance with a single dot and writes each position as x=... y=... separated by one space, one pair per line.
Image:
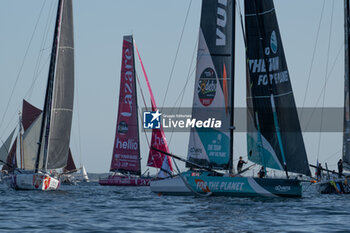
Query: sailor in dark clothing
x=319 y=171
x=240 y=164
x=261 y=173
x=340 y=168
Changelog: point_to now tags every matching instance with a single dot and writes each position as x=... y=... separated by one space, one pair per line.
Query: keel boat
x=126 y=159
x=274 y=138
x=45 y=144
x=340 y=183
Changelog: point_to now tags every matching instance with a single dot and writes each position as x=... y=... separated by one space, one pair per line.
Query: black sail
x=63 y=93
x=274 y=137
x=213 y=91
x=58 y=108
x=346 y=127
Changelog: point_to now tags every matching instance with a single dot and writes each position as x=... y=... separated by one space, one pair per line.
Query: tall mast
x=346 y=126
x=137 y=106
x=44 y=130
x=232 y=85
x=20 y=140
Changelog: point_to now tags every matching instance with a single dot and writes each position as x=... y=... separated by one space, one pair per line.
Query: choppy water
x=93 y=208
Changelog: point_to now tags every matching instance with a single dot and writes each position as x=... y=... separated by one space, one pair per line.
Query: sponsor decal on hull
x=213 y=186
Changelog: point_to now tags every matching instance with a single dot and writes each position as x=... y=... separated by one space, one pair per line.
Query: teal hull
x=204 y=183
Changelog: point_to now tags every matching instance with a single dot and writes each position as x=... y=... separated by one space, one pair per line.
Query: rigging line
x=324 y=86
x=30 y=90
x=332 y=155
x=177 y=51
x=42 y=45
x=76 y=85
x=21 y=67
x=144 y=102
x=182 y=93
x=325 y=78
x=312 y=60
x=188 y=185
x=190 y=72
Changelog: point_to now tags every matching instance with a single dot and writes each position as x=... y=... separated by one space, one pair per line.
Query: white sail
x=30 y=144
x=84 y=174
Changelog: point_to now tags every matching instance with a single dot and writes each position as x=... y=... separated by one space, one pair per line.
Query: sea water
x=94 y=208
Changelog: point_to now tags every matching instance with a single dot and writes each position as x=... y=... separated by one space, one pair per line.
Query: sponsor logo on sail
x=122 y=127
x=129 y=144
x=221 y=23
x=207 y=86
x=128 y=87
x=273 y=42
x=151 y=120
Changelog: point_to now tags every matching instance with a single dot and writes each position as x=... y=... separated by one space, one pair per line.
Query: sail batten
x=269 y=94
x=213 y=95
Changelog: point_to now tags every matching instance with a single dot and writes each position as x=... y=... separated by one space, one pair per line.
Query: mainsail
x=346 y=126
x=126 y=150
x=155 y=158
x=213 y=91
x=57 y=114
x=274 y=137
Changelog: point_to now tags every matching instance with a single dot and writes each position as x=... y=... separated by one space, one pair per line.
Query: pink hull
x=125 y=181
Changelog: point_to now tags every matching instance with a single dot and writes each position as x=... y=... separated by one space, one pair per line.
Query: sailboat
x=126 y=159
x=48 y=137
x=341 y=185
x=84 y=174
x=274 y=138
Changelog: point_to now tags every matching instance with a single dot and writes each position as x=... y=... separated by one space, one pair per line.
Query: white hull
x=32 y=181
x=170 y=185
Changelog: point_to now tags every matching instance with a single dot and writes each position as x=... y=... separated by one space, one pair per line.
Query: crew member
x=340 y=168
x=262 y=173
x=240 y=164
x=319 y=172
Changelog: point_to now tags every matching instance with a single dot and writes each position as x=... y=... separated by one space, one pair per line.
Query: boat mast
x=137 y=106
x=49 y=89
x=346 y=126
x=20 y=139
x=272 y=98
x=232 y=85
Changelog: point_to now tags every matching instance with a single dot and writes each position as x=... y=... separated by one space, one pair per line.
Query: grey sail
x=346 y=127
x=5 y=149
x=63 y=93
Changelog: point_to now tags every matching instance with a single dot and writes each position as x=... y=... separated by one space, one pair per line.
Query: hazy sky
x=99 y=26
